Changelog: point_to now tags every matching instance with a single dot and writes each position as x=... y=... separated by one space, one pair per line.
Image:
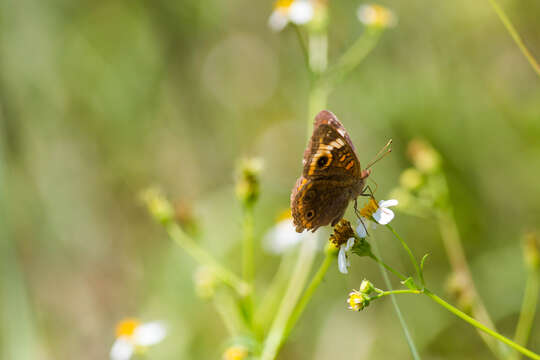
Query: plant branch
x=515 y=36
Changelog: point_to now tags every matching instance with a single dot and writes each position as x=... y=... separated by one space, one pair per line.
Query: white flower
x=343 y=256
x=298 y=12
x=362 y=227
x=376 y=16
x=383 y=215
x=283 y=236
x=133 y=336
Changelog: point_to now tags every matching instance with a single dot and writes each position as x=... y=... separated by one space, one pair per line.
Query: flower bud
x=236 y=352
x=205 y=281
x=531 y=250
x=247 y=185
x=366 y=287
x=158 y=205
x=424 y=157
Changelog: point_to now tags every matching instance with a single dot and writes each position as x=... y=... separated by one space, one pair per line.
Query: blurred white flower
x=132 y=337
x=283 y=236
x=298 y=12
x=343 y=256
x=383 y=215
x=376 y=16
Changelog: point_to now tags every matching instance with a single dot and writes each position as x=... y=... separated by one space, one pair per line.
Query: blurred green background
x=100 y=99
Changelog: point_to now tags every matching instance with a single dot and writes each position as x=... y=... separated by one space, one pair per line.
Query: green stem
x=275 y=337
x=303 y=46
x=411 y=256
x=313 y=285
x=515 y=36
x=247 y=260
x=388 y=267
x=353 y=56
x=395 y=292
x=247 y=256
x=460 y=267
x=528 y=309
x=481 y=326
x=201 y=256
x=404 y=327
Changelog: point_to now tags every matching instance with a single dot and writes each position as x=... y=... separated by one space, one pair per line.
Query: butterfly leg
x=357 y=212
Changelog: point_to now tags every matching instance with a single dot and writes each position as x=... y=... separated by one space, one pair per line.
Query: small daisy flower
x=376 y=16
x=132 y=337
x=235 y=352
x=283 y=236
x=343 y=256
x=357 y=300
x=298 y=12
x=379 y=212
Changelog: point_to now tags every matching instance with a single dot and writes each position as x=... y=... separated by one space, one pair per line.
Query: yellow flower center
x=127 y=327
x=354 y=303
x=369 y=209
x=284 y=215
x=236 y=352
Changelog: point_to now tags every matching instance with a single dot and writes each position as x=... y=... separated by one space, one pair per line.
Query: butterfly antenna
x=387 y=149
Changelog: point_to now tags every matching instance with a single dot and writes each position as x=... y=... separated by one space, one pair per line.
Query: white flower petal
x=388 y=203
x=301 y=12
x=361 y=229
x=383 y=216
x=122 y=349
x=277 y=20
x=283 y=237
x=342 y=261
x=149 y=334
x=350 y=244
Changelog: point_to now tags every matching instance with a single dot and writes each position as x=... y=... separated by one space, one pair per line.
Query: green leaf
x=409 y=282
x=422 y=262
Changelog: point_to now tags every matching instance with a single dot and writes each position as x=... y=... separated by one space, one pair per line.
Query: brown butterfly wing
x=330 y=152
x=331 y=176
x=319 y=202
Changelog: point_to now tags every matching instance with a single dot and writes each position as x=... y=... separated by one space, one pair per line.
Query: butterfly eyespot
x=310 y=214
x=323 y=160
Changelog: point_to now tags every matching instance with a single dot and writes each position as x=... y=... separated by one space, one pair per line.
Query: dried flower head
x=342 y=232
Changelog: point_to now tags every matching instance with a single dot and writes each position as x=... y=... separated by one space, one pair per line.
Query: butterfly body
x=331 y=177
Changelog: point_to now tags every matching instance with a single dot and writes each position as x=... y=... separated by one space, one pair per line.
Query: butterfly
x=331 y=177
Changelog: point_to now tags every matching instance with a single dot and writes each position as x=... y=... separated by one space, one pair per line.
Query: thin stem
x=303 y=46
x=458 y=262
x=247 y=259
x=411 y=256
x=515 y=36
x=248 y=251
x=201 y=256
x=353 y=56
x=297 y=282
x=395 y=292
x=481 y=326
x=313 y=285
x=404 y=327
x=528 y=309
x=388 y=267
